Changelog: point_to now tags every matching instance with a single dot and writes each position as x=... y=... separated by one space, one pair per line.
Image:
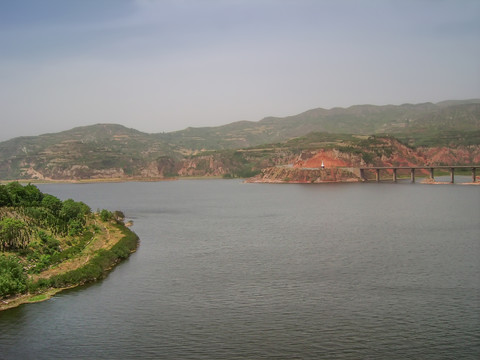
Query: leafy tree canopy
x=12 y=278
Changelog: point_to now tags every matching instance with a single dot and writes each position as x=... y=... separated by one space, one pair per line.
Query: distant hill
x=415 y=123
x=114 y=151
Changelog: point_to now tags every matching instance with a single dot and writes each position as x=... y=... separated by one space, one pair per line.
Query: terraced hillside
x=109 y=151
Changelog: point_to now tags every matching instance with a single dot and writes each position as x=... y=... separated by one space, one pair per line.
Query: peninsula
x=48 y=245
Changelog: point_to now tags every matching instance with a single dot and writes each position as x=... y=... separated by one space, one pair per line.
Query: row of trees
x=14 y=194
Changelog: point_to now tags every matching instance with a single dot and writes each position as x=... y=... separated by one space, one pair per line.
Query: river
x=227 y=270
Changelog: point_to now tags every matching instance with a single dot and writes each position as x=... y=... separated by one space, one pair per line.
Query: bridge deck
x=427 y=167
x=412 y=169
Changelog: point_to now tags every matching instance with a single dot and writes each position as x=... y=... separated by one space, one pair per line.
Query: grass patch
x=37 y=298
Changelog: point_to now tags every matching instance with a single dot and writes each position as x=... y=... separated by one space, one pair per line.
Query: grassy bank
x=113 y=243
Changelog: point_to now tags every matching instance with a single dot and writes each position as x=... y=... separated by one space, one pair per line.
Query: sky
x=165 y=65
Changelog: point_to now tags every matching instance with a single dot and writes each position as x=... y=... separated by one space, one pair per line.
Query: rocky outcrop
x=446 y=156
x=340 y=163
x=287 y=174
x=332 y=158
x=201 y=166
x=76 y=172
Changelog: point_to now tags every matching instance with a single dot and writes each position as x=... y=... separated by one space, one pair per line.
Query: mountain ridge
x=114 y=151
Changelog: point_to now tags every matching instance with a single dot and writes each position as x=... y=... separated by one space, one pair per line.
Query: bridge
x=412 y=170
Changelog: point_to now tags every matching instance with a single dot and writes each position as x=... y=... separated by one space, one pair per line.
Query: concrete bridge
x=412 y=170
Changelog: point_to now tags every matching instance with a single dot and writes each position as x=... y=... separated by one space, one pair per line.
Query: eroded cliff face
x=276 y=165
x=201 y=166
x=464 y=155
x=75 y=172
x=286 y=174
x=340 y=164
x=329 y=158
x=161 y=168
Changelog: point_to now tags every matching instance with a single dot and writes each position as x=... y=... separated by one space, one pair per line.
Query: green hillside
x=411 y=123
x=113 y=151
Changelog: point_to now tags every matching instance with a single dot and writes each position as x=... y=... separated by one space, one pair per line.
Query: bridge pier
x=429 y=168
x=362 y=174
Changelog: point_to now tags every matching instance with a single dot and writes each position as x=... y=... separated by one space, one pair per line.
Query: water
x=227 y=270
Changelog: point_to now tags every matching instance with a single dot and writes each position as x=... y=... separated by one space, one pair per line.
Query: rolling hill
x=238 y=149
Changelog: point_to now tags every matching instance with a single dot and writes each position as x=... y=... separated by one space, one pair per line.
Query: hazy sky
x=168 y=64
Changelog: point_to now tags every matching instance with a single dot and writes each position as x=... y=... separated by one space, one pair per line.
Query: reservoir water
x=227 y=270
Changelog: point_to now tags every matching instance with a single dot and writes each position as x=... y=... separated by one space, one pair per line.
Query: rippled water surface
x=227 y=270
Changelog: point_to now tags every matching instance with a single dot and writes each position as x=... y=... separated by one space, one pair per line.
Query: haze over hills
x=413 y=122
x=240 y=148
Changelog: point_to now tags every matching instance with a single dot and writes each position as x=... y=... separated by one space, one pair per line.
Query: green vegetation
x=84 y=153
x=36 y=298
x=431 y=138
x=13 y=279
x=95 y=269
x=39 y=231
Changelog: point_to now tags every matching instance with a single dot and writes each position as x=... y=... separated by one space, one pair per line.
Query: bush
x=106 y=215
x=39 y=285
x=75 y=227
x=51 y=244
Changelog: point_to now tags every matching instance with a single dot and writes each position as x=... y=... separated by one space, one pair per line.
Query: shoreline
x=110 y=180
x=31 y=298
x=86 y=181
x=106 y=242
x=423 y=180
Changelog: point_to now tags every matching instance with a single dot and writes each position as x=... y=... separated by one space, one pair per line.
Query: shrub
x=75 y=227
x=106 y=215
x=39 y=285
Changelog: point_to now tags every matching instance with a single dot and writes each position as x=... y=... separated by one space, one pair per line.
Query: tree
x=12 y=277
x=32 y=196
x=16 y=192
x=13 y=234
x=52 y=203
x=74 y=210
x=4 y=196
